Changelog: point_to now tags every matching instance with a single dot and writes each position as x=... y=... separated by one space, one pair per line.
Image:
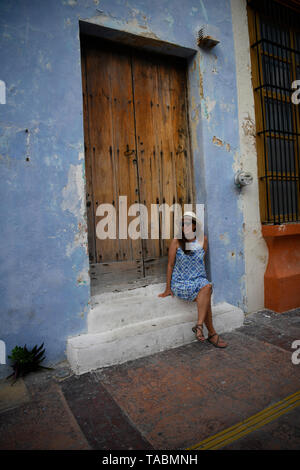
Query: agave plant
x=25 y=360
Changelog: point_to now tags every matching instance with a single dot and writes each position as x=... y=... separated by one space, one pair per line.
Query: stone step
x=133 y=294
x=118 y=310
x=131 y=325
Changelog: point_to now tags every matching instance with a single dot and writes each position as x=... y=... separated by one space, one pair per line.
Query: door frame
x=88 y=27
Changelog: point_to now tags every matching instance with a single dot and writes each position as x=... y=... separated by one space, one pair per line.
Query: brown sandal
x=216 y=344
x=199 y=327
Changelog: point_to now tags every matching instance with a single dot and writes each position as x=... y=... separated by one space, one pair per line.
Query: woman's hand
x=166 y=293
x=171 y=261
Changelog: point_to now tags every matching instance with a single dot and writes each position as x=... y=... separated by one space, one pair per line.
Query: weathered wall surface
x=215 y=138
x=43 y=268
x=255 y=248
x=44 y=262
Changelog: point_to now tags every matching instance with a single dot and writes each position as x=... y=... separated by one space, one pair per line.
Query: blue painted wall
x=43 y=251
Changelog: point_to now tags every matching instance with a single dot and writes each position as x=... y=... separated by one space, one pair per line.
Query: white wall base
x=127 y=325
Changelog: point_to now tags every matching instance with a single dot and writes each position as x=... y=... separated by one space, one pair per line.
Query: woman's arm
x=205 y=244
x=171 y=262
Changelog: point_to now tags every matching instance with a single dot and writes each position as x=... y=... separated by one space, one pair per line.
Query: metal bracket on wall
x=206 y=41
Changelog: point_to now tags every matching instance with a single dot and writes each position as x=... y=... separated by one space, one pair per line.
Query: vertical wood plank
x=101 y=140
x=144 y=78
x=124 y=144
x=183 y=155
x=88 y=161
x=165 y=129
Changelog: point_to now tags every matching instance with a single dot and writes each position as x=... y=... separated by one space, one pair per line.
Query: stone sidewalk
x=172 y=400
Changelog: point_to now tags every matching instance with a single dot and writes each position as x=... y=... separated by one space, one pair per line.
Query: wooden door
x=136 y=145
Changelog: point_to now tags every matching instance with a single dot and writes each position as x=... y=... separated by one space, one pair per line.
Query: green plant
x=25 y=360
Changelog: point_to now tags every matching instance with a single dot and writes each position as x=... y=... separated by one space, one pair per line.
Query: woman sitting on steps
x=186 y=277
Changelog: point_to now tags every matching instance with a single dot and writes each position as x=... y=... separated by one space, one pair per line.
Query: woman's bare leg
x=208 y=321
x=203 y=303
x=211 y=330
x=203 y=300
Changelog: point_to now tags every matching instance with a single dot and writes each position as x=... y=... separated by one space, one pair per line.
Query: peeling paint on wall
x=200 y=84
x=220 y=143
x=207 y=107
x=73 y=201
x=138 y=24
x=83 y=277
x=237 y=164
x=194 y=121
x=73 y=192
x=217 y=141
x=248 y=126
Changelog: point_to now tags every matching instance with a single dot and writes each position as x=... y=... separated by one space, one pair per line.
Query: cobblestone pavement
x=172 y=400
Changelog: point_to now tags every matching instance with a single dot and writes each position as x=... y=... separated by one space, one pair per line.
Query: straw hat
x=192 y=215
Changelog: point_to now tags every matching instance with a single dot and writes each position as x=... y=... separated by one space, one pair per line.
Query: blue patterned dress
x=189 y=274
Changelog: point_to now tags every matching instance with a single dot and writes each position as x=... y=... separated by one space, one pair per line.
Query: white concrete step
x=110 y=311
x=127 y=325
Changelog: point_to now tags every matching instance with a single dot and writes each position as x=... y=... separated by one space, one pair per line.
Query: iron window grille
x=275 y=55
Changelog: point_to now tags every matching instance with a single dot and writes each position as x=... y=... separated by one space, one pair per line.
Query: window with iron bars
x=275 y=57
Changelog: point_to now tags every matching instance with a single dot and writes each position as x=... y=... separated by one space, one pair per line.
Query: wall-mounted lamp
x=205 y=41
x=243 y=178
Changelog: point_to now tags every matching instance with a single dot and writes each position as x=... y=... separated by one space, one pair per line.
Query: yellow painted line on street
x=249 y=425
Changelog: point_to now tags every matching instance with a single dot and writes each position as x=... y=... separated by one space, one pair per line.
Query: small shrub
x=25 y=360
